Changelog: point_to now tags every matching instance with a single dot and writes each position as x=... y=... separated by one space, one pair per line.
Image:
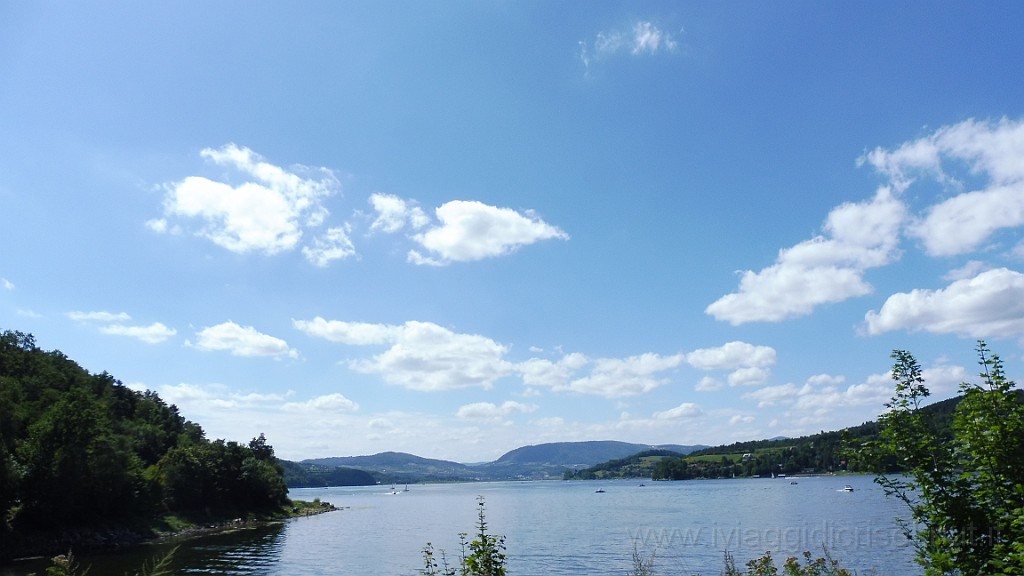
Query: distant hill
x=553 y=459
x=528 y=462
x=390 y=467
x=306 y=475
x=820 y=453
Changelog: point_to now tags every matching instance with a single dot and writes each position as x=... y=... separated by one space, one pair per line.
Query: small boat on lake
x=847 y=488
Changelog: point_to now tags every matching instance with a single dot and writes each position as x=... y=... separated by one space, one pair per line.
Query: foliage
x=765 y=566
x=483 y=556
x=964 y=488
x=310 y=475
x=81 y=450
x=816 y=453
x=639 y=465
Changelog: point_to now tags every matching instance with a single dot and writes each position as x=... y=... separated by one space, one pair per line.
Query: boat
x=599 y=491
x=847 y=488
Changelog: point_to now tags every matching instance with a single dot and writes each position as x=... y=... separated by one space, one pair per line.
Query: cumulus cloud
x=394 y=214
x=771 y=395
x=607 y=377
x=821 y=396
x=155 y=333
x=545 y=373
x=990 y=304
x=471 y=230
x=421 y=355
x=684 y=410
x=351 y=333
x=732 y=355
x=268 y=212
x=241 y=341
x=965 y=221
x=620 y=377
x=825 y=269
x=216 y=397
x=327 y=403
x=6 y=284
x=738 y=419
x=493 y=412
x=749 y=364
x=428 y=357
x=333 y=244
x=99 y=316
x=978 y=169
x=708 y=384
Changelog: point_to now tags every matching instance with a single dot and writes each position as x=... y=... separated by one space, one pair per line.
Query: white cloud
x=771 y=395
x=964 y=222
x=471 y=230
x=684 y=410
x=333 y=244
x=555 y=375
x=99 y=316
x=327 y=403
x=943 y=381
x=643 y=38
x=491 y=411
x=268 y=213
x=242 y=341
x=155 y=333
x=748 y=376
x=708 y=384
x=425 y=356
x=967 y=220
x=394 y=213
x=649 y=39
x=741 y=419
x=826 y=269
x=968 y=270
x=351 y=333
x=990 y=304
x=620 y=377
x=732 y=355
x=422 y=355
x=7 y=284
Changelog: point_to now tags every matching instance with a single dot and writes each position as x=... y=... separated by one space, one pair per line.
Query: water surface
x=559 y=528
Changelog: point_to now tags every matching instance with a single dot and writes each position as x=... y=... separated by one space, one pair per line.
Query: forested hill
x=824 y=452
x=81 y=452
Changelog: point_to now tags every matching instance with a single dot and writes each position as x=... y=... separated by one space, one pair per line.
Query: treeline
x=78 y=450
x=639 y=465
x=820 y=453
x=305 y=475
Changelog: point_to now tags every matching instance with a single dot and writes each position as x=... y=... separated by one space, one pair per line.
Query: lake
x=558 y=528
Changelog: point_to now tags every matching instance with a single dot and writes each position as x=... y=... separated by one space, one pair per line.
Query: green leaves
x=965 y=493
x=483 y=556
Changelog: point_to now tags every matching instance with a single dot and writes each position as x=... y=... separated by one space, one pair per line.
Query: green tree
x=965 y=493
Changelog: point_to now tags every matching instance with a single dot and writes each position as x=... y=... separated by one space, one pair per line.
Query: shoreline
x=43 y=545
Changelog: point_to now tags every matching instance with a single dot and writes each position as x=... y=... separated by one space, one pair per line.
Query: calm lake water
x=558 y=528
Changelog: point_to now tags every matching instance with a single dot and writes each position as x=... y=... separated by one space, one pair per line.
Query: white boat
x=847 y=488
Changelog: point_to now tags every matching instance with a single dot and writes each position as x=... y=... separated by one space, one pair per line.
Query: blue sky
x=457 y=228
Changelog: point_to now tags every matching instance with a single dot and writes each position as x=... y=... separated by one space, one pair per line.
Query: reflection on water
x=241 y=552
x=556 y=528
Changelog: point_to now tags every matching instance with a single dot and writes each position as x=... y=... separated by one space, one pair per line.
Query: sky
x=457 y=228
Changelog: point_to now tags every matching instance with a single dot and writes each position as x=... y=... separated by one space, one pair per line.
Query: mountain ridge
x=536 y=461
